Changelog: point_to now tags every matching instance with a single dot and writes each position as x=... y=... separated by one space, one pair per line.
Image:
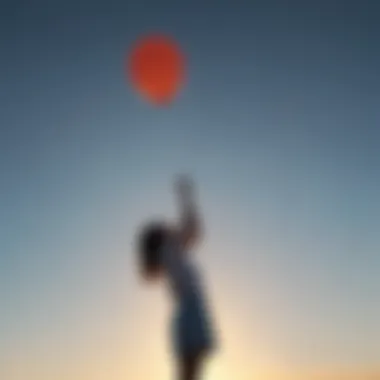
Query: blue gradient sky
x=280 y=125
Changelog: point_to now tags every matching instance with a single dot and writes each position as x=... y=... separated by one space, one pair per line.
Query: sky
x=279 y=124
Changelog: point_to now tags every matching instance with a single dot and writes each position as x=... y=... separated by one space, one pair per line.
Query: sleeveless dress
x=191 y=328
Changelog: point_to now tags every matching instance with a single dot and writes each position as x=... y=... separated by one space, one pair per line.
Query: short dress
x=191 y=328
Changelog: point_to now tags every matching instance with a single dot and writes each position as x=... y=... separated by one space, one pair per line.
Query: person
x=164 y=252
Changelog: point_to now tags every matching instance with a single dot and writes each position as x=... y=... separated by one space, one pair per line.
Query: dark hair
x=149 y=244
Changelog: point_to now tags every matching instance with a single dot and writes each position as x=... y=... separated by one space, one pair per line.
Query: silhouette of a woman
x=164 y=252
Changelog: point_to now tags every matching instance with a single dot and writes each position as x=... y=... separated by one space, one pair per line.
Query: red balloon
x=156 y=68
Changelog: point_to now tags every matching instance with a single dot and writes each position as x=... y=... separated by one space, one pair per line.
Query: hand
x=184 y=186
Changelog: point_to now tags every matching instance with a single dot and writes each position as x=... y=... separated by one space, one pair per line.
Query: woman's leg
x=190 y=367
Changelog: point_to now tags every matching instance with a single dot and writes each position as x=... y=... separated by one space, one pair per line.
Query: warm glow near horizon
x=115 y=356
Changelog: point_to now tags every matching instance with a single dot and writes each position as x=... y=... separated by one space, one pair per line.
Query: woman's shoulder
x=172 y=249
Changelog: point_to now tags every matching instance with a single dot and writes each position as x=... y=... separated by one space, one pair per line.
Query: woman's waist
x=189 y=300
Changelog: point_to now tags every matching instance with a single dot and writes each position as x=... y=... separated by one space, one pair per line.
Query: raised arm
x=190 y=230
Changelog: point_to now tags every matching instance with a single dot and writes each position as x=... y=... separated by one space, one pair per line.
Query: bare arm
x=190 y=225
